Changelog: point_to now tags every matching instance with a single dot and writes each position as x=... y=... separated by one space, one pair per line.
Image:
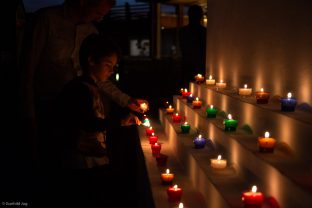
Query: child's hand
x=130 y=120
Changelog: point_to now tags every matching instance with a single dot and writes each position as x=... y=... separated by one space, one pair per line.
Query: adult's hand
x=139 y=105
x=131 y=120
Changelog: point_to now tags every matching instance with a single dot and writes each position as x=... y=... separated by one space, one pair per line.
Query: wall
x=263 y=43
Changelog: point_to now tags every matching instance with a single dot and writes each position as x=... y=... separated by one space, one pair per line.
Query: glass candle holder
x=199 y=78
x=176 y=118
x=167 y=178
x=211 y=112
x=288 y=104
x=170 y=110
x=161 y=160
x=196 y=103
x=221 y=84
x=156 y=149
x=266 y=144
x=174 y=193
x=244 y=91
x=230 y=124
x=149 y=131
x=185 y=93
x=199 y=142
x=210 y=81
x=190 y=98
x=262 y=97
x=252 y=199
x=153 y=138
x=185 y=128
x=218 y=163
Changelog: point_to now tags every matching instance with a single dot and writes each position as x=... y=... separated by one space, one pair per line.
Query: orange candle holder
x=266 y=144
x=170 y=110
x=167 y=178
x=197 y=103
x=199 y=78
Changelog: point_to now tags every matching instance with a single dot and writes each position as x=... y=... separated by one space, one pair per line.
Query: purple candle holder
x=199 y=142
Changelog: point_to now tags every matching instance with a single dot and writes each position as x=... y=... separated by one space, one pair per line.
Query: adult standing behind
x=53 y=60
x=193 y=45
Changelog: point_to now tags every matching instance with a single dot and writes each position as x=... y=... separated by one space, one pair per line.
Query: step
x=291 y=128
x=191 y=197
x=278 y=179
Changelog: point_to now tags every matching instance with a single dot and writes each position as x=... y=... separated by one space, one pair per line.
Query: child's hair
x=96 y=47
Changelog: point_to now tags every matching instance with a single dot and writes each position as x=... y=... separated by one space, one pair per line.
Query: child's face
x=105 y=68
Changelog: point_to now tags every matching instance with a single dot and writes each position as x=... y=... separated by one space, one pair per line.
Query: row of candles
x=174 y=192
x=288 y=104
x=266 y=144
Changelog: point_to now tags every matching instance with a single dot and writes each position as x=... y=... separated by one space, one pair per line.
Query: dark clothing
x=82 y=124
x=193 y=51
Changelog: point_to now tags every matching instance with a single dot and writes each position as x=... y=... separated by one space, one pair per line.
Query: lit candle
x=149 y=131
x=185 y=127
x=181 y=205
x=252 y=198
x=288 y=104
x=190 y=98
x=156 y=148
x=262 y=97
x=185 y=93
x=266 y=143
x=211 y=112
x=176 y=118
x=167 y=178
x=199 y=142
x=199 y=78
x=144 y=107
x=153 y=138
x=245 y=90
x=161 y=160
x=218 y=163
x=196 y=103
x=174 y=193
x=230 y=124
x=170 y=110
x=146 y=122
x=210 y=81
x=221 y=84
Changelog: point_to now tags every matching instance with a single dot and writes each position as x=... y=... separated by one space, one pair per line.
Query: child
x=81 y=109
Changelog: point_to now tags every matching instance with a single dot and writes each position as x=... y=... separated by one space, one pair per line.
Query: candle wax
x=185 y=128
x=211 y=112
x=174 y=194
x=153 y=139
x=266 y=144
x=218 y=164
x=167 y=178
x=230 y=124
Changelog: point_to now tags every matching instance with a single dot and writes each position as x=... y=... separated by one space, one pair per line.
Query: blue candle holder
x=199 y=142
x=288 y=104
x=190 y=98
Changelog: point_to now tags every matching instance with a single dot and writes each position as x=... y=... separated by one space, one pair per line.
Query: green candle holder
x=211 y=112
x=185 y=128
x=230 y=124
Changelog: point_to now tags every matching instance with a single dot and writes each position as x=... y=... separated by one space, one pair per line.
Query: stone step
x=277 y=179
x=293 y=129
x=191 y=197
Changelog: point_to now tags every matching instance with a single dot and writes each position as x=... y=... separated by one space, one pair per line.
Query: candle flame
x=197 y=99
x=185 y=90
x=191 y=95
x=254 y=189
x=210 y=77
x=199 y=75
x=150 y=128
x=175 y=186
x=261 y=89
x=156 y=144
x=229 y=116
x=211 y=106
x=200 y=136
x=289 y=95
x=219 y=157
x=181 y=205
x=185 y=122
x=221 y=81
x=167 y=171
x=245 y=86
x=267 y=134
x=177 y=114
x=170 y=106
x=153 y=134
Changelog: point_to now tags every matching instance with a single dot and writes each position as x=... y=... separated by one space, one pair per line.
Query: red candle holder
x=176 y=118
x=153 y=139
x=185 y=93
x=149 y=131
x=174 y=193
x=252 y=199
x=156 y=148
x=161 y=160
